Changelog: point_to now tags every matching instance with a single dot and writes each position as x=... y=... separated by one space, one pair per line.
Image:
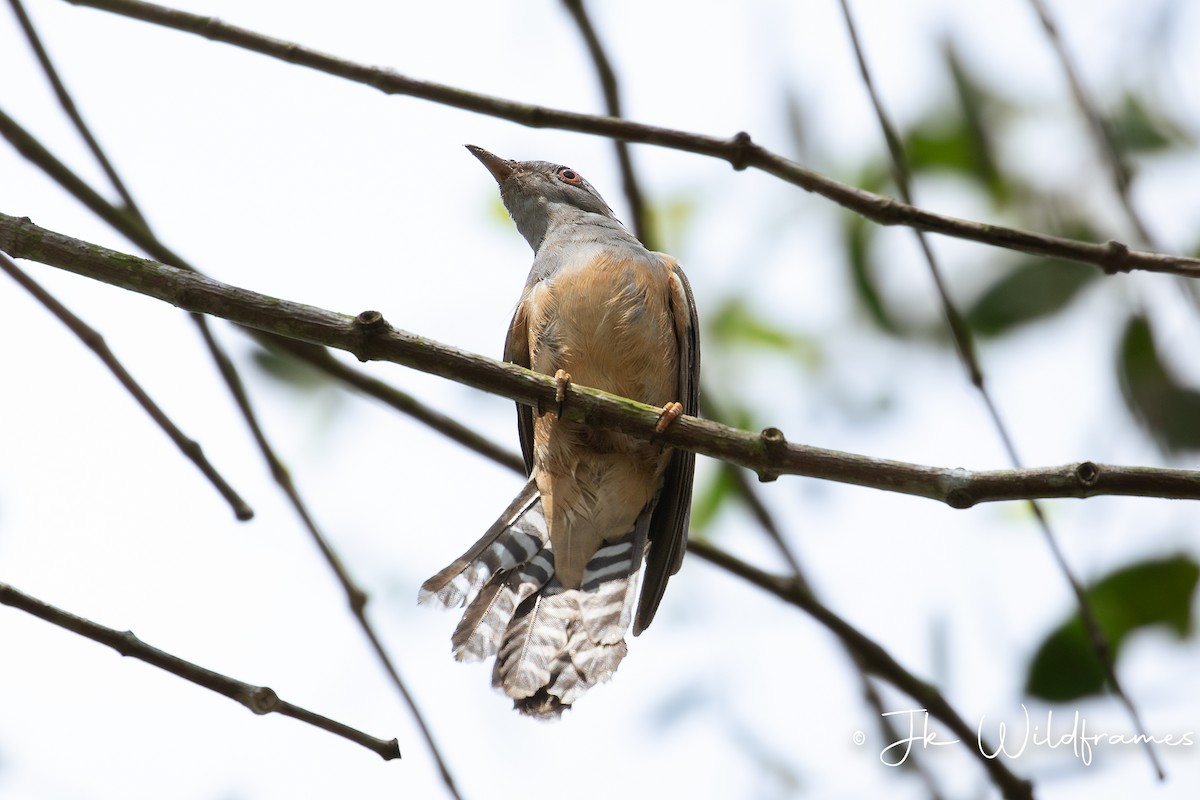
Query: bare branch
x=451 y=428
x=259 y=699
x=64 y=99
x=612 y=104
x=95 y=341
x=740 y=151
x=136 y=229
x=869 y=655
x=369 y=337
x=964 y=344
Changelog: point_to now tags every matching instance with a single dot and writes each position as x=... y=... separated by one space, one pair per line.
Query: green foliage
x=290 y=371
x=1034 y=289
x=1169 y=411
x=1148 y=594
x=708 y=500
x=1136 y=128
x=735 y=323
x=857 y=234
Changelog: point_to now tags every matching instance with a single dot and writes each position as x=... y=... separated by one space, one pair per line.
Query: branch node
x=262 y=700
x=127 y=643
x=774 y=443
x=357 y=599
x=1116 y=257
x=369 y=324
x=739 y=157
x=1088 y=473
x=960 y=498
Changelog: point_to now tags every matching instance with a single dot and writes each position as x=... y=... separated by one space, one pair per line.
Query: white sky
x=307 y=187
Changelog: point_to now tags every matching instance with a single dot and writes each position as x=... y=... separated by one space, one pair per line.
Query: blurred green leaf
x=1169 y=411
x=735 y=323
x=858 y=234
x=1152 y=593
x=670 y=220
x=1135 y=128
x=290 y=371
x=708 y=501
x=979 y=107
x=1035 y=288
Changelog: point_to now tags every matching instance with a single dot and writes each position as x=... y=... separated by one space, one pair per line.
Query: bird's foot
x=562 y=379
x=670 y=413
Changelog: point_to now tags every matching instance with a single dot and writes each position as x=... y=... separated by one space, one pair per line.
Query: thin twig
x=1099 y=127
x=750 y=495
x=740 y=151
x=1102 y=135
x=136 y=230
x=259 y=699
x=871 y=656
x=90 y=337
x=369 y=337
x=448 y=426
x=964 y=344
x=612 y=104
x=64 y=99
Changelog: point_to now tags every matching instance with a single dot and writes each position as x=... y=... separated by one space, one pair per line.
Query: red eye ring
x=568 y=175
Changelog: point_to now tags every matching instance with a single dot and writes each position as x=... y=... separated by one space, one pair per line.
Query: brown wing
x=669 y=523
x=516 y=351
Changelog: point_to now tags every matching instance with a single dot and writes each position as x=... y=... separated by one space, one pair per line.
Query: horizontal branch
x=259 y=699
x=740 y=151
x=369 y=337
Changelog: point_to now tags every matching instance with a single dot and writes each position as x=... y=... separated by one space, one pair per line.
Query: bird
x=550 y=588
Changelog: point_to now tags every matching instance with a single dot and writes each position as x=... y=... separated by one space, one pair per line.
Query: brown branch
x=1099 y=127
x=448 y=426
x=135 y=229
x=964 y=344
x=259 y=699
x=612 y=104
x=369 y=337
x=740 y=151
x=90 y=337
x=68 y=105
x=870 y=656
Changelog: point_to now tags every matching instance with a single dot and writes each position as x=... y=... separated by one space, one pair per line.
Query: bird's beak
x=499 y=167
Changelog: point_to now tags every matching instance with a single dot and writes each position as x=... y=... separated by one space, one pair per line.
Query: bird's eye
x=567 y=175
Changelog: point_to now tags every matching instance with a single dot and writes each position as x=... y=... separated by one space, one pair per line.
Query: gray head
x=540 y=195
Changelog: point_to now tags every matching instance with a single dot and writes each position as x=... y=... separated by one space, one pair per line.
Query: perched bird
x=550 y=587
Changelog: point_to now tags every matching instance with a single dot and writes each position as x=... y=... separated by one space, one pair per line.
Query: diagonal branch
x=1099 y=127
x=259 y=699
x=369 y=337
x=90 y=337
x=612 y=104
x=136 y=230
x=869 y=655
x=740 y=151
x=64 y=99
x=964 y=343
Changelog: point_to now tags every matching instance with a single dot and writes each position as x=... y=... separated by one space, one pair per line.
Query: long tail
x=551 y=644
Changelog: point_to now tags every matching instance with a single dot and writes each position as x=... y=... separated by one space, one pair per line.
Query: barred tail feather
x=482 y=628
x=551 y=644
x=609 y=587
x=513 y=539
x=534 y=641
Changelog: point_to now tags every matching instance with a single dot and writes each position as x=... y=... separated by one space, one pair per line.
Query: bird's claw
x=670 y=413
x=562 y=379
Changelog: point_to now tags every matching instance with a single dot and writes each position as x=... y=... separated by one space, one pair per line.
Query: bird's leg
x=670 y=413
x=561 y=380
